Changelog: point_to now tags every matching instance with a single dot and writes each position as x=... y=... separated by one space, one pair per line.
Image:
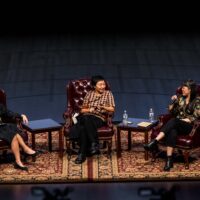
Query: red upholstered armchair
x=186 y=144
x=3 y=144
x=76 y=91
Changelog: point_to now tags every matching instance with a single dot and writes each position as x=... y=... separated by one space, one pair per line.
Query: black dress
x=8 y=125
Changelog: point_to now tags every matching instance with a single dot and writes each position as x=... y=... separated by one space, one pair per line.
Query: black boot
x=94 y=149
x=151 y=146
x=80 y=158
x=168 y=164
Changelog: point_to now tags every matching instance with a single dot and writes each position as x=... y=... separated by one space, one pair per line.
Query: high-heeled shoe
x=33 y=155
x=16 y=166
x=26 y=155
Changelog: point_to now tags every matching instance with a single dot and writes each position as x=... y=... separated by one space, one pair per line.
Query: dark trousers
x=86 y=131
x=174 y=127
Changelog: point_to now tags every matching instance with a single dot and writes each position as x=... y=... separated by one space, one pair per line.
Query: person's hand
x=100 y=109
x=24 y=119
x=91 y=110
x=174 y=97
x=186 y=120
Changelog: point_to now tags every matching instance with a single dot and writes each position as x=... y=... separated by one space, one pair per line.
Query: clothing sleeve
x=8 y=115
x=196 y=113
x=111 y=101
x=13 y=115
x=175 y=106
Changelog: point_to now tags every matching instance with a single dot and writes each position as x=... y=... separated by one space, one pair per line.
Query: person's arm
x=12 y=115
x=196 y=113
x=86 y=110
x=110 y=107
x=174 y=105
x=99 y=108
x=188 y=120
x=8 y=115
x=174 y=102
x=107 y=108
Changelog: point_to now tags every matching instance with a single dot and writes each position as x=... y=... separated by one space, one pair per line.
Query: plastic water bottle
x=125 y=118
x=151 y=115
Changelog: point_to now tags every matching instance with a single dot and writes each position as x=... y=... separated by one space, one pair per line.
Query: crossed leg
x=15 y=147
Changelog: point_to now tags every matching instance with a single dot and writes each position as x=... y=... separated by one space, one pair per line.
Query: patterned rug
x=50 y=168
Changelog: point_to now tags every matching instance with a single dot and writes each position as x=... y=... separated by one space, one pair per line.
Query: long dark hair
x=192 y=86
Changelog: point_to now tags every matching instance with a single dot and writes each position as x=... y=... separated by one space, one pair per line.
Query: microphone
x=175 y=100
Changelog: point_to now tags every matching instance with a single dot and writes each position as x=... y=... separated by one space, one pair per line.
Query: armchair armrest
x=67 y=115
x=195 y=128
x=109 y=116
x=163 y=119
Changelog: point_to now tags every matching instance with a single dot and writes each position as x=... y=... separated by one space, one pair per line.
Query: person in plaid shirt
x=96 y=104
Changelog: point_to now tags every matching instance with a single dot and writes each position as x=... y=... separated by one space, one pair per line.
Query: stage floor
x=85 y=191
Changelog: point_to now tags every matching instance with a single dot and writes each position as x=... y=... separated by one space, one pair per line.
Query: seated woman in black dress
x=186 y=109
x=11 y=134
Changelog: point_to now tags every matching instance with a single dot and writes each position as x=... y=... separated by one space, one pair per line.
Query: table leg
x=146 y=139
x=129 y=140
x=33 y=140
x=118 y=143
x=61 y=142
x=50 y=140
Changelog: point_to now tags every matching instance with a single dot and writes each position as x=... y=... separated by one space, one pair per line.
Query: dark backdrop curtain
x=143 y=69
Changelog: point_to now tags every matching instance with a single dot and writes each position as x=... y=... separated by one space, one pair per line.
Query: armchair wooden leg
x=4 y=153
x=186 y=158
x=153 y=157
x=109 y=149
x=68 y=149
x=155 y=154
x=104 y=144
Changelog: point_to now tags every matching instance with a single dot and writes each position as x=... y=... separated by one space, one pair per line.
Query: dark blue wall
x=143 y=69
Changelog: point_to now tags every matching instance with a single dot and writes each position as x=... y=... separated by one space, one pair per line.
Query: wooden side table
x=45 y=125
x=133 y=126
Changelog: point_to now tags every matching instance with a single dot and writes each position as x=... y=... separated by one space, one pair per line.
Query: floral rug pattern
x=50 y=168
